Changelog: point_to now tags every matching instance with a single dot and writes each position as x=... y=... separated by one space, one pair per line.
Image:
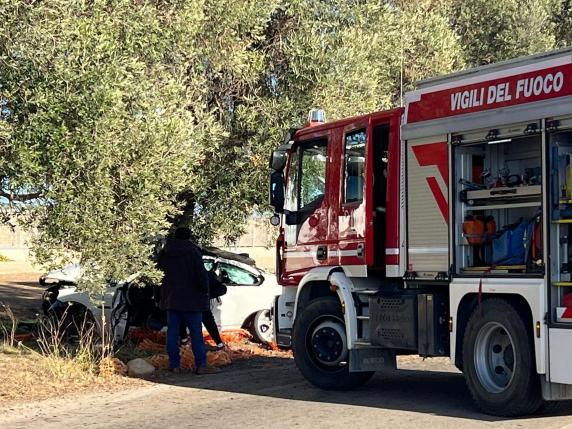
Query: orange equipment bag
x=474 y=229
x=478 y=230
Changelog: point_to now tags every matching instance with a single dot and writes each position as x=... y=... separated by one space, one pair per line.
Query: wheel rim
x=494 y=357
x=328 y=345
x=264 y=325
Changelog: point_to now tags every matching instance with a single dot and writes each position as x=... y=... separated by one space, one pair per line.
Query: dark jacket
x=216 y=287
x=185 y=285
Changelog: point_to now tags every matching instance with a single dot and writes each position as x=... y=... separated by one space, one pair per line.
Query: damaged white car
x=134 y=302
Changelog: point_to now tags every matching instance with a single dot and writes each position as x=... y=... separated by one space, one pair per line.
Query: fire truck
x=443 y=228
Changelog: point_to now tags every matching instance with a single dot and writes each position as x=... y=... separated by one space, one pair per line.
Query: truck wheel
x=320 y=347
x=499 y=364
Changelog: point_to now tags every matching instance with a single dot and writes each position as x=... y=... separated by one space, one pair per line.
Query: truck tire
x=320 y=347
x=498 y=358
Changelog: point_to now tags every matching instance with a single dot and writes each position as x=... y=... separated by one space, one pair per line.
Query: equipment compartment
x=497 y=194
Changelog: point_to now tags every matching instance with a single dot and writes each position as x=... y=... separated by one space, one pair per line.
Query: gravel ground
x=269 y=392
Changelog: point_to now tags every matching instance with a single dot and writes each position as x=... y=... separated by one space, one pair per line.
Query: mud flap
x=555 y=391
x=371 y=359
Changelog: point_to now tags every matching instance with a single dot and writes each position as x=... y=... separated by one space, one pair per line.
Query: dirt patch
x=414 y=362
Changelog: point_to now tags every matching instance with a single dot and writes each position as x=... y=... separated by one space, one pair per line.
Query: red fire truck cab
x=439 y=229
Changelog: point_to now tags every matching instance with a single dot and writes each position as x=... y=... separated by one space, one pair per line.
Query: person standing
x=216 y=290
x=184 y=295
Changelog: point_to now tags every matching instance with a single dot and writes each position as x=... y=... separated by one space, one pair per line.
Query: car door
x=245 y=294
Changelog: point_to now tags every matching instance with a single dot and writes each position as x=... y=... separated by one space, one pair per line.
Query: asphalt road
x=270 y=393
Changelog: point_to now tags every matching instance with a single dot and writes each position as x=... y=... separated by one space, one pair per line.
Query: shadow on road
x=430 y=392
x=24 y=297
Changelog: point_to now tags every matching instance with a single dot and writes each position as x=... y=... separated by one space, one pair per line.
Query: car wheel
x=320 y=347
x=498 y=358
x=70 y=325
x=262 y=329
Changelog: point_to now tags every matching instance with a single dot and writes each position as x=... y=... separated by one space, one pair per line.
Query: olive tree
x=101 y=122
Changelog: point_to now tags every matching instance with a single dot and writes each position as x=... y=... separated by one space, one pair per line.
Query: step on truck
x=443 y=228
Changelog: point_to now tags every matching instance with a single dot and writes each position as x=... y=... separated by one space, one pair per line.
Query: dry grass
x=8 y=330
x=55 y=350
x=29 y=376
x=53 y=367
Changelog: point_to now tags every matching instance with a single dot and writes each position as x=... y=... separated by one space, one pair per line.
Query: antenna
x=401 y=66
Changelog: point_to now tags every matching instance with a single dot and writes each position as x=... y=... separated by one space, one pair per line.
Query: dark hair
x=182 y=233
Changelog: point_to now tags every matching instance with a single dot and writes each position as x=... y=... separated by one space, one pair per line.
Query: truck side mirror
x=277 y=191
x=278 y=160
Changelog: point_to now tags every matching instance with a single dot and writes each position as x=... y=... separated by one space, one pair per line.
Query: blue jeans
x=193 y=320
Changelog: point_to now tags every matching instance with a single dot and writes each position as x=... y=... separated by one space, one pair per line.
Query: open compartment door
x=559 y=172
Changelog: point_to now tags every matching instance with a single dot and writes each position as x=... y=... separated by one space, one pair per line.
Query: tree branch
x=20 y=197
x=10 y=196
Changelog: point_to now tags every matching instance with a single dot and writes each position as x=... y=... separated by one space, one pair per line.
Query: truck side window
x=354 y=166
x=313 y=174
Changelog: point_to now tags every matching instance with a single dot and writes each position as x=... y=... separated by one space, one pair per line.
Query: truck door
x=306 y=209
x=352 y=218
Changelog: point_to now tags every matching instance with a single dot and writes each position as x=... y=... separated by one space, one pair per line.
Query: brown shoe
x=207 y=370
